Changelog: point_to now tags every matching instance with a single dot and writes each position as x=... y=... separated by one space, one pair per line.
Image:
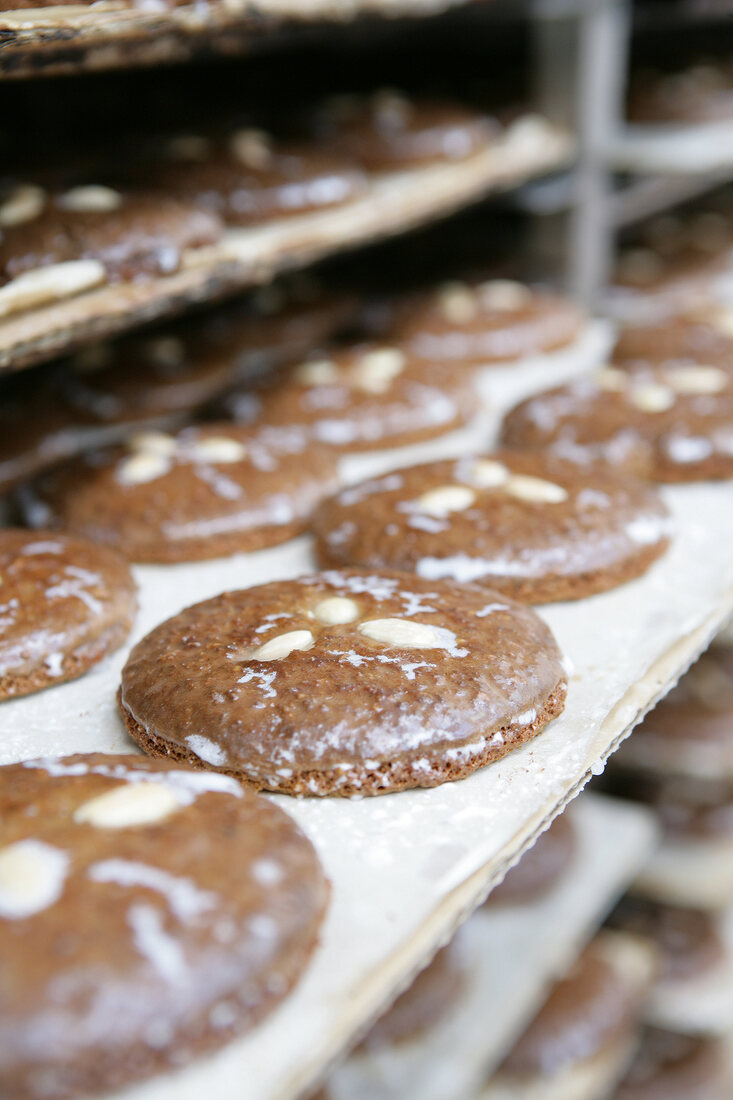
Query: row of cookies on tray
x=399 y=657
x=114 y=834
x=67 y=228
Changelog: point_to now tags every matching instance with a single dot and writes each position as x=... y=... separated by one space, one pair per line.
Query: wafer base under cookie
x=431 y=769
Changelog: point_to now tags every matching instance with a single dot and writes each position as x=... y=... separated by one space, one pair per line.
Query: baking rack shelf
x=68 y=38
x=393 y=204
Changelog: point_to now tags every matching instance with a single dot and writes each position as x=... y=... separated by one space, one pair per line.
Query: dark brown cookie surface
x=129 y=234
x=363 y=397
x=540 y=868
x=128 y=946
x=388 y=130
x=64 y=604
x=588 y=1011
x=344 y=683
x=530 y=525
x=202 y=493
x=489 y=322
x=667 y=424
x=704 y=339
x=249 y=179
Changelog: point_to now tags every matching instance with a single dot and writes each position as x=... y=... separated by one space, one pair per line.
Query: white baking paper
x=513 y=956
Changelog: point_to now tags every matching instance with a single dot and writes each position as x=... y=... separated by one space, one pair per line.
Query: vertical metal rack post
x=581 y=56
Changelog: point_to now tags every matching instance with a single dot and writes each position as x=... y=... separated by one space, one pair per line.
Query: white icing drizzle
x=206 y=750
x=163 y=952
x=75 y=585
x=185 y=899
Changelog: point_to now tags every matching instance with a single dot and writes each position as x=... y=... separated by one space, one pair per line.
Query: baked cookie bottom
x=431 y=768
x=76 y=662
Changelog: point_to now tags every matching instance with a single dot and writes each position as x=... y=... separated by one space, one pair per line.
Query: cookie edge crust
x=77 y=661
x=387 y=778
x=551 y=589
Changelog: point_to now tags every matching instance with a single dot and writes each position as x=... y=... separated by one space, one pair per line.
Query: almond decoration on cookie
x=344 y=683
x=363 y=397
x=530 y=525
x=118 y=903
x=479 y=324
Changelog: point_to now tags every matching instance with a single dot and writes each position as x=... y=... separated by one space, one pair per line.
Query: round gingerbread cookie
x=64 y=604
x=432 y=995
x=128 y=946
x=490 y=322
x=588 y=1019
x=690 y=732
x=389 y=131
x=363 y=397
x=667 y=423
x=247 y=178
x=130 y=234
x=671 y=1066
x=702 y=339
x=204 y=492
x=344 y=683
x=540 y=868
x=530 y=525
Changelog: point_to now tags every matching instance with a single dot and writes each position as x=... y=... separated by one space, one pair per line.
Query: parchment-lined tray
x=512 y=955
x=394 y=202
x=68 y=38
x=407 y=868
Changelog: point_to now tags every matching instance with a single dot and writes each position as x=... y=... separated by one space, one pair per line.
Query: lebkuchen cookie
x=110 y=234
x=541 y=867
x=128 y=946
x=344 y=682
x=426 y=1002
x=692 y=992
x=247 y=177
x=703 y=338
x=66 y=603
x=666 y=423
x=581 y=1040
x=361 y=397
x=201 y=493
x=388 y=130
x=155 y=378
x=480 y=324
x=529 y=525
